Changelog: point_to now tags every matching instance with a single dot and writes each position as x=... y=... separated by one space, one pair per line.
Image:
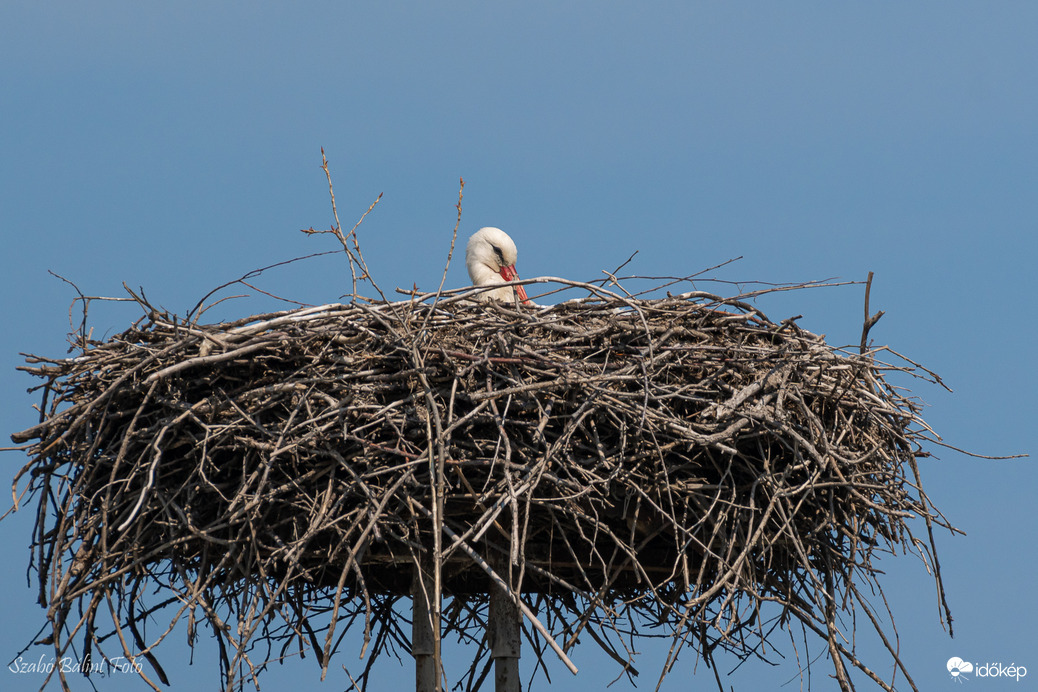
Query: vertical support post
x=423 y=639
x=503 y=624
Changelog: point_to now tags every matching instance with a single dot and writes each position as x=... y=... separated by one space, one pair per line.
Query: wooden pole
x=423 y=640
x=503 y=625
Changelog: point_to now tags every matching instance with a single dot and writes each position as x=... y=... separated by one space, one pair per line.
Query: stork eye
x=500 y=255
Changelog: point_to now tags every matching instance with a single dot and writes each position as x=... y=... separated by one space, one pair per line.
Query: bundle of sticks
x=680 y=466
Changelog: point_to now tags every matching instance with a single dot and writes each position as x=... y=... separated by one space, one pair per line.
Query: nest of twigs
x=680 y=466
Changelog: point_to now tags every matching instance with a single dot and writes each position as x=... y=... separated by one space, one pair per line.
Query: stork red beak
x=509 y=274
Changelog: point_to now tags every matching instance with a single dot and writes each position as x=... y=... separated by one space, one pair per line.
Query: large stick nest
x=681 y=466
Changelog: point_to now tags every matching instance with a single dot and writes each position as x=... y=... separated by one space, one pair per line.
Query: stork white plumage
x=490 y=257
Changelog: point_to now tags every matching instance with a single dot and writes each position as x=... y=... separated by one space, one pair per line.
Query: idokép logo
x=960 y=670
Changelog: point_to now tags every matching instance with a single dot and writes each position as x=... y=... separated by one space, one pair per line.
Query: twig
x=870 y=320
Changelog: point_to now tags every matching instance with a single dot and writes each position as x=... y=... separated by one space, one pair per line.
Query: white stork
x=490 y=258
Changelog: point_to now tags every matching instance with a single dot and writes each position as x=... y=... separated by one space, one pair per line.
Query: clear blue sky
x=175 y=146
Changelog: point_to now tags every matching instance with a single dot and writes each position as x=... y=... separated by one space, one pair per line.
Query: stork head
x=490 y=258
